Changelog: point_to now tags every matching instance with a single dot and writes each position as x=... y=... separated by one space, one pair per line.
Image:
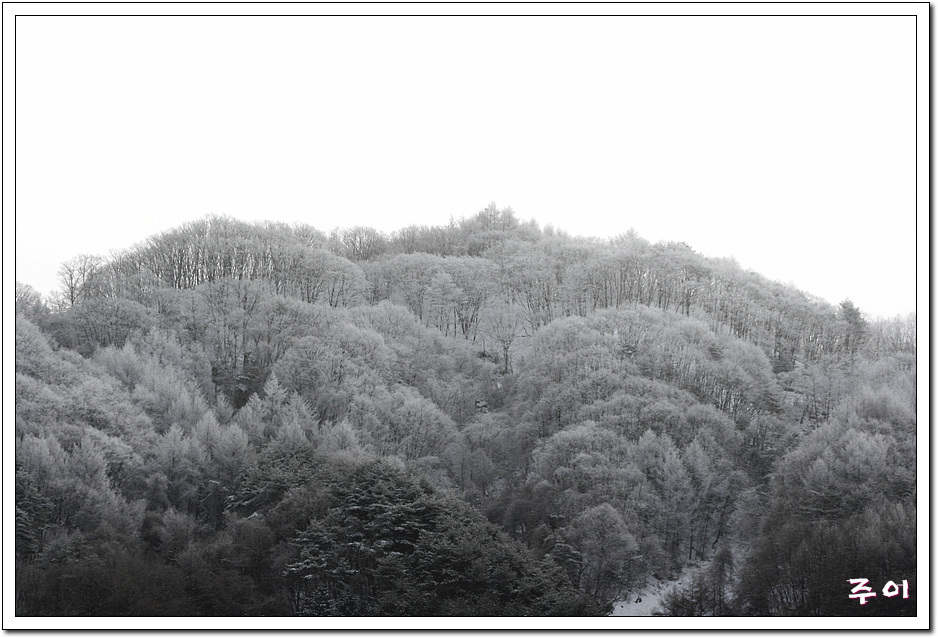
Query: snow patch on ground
x=652 y=594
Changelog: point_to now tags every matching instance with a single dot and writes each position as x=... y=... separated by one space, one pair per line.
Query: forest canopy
x=483 y=418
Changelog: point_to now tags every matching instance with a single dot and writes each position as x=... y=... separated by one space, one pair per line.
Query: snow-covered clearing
x=652 y=594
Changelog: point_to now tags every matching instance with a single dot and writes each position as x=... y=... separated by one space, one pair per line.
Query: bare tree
x=363 y=243
x=76 y=273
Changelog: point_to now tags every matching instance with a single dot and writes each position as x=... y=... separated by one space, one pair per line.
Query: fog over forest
x=486 y=418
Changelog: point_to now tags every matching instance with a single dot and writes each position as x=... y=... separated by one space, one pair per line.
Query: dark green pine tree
x=857 y=329
x=391 y=545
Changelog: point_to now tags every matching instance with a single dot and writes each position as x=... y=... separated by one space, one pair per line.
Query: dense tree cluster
x=483 y=418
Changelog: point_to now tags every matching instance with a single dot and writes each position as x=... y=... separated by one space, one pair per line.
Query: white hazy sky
x=787 y=142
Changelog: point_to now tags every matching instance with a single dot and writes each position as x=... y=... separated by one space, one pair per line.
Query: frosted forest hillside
x=483 y=418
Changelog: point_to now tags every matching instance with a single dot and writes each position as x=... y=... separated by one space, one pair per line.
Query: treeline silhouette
x=482 y=418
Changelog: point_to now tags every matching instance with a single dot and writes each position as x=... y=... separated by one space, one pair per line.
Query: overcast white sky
x=787 y=142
